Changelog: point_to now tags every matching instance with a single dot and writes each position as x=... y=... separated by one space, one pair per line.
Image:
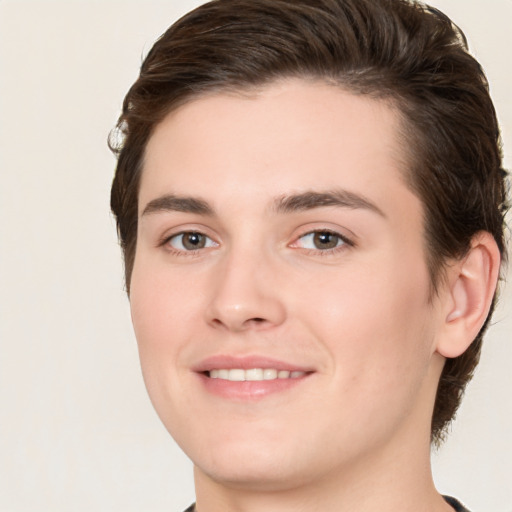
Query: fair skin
x=277 y=233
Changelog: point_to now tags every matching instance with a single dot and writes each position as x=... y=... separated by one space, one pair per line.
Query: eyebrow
x=285 y=204
x=311 y=199
x=173 y=203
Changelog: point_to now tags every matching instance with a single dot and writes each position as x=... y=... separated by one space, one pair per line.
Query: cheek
x=375 y=322
x=163 y=311
x=163 y=314
x=380 y=342
x=162 y=305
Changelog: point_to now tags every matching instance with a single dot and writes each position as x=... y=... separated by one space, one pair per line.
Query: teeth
x=222 y=374
x=236 y=374
x=269 y=374
x=254 y=374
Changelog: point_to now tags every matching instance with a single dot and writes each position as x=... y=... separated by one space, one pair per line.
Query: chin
x=264 y=464
x=249 y=463
x=257 y=475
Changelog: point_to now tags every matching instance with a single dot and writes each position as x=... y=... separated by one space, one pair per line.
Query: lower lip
x=248 y=389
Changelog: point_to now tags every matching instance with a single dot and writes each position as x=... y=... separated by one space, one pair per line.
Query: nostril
x=256 y=322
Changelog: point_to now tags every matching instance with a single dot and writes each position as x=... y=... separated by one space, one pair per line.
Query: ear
x=471 y=283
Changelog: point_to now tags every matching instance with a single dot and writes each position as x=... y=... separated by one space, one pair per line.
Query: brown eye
x=325 y=240
x=190 y=241
x=193 y=241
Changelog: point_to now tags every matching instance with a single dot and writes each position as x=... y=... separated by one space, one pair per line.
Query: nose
x=244 y=295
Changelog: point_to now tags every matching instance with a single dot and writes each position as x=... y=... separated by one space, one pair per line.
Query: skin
x=353 y=435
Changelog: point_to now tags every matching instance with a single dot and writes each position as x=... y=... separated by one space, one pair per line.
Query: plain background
x=77 y=431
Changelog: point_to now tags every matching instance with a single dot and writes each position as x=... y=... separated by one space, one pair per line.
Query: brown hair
x=401 y=51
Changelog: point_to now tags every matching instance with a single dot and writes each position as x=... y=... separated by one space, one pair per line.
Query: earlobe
x=471 y=285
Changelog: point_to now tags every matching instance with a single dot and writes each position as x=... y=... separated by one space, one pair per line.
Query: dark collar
x=457 y=506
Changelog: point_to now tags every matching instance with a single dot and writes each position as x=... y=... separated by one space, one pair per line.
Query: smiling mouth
x=253 y=374
x=249 y=377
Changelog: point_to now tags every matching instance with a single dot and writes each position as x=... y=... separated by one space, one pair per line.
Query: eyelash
x=346 y=243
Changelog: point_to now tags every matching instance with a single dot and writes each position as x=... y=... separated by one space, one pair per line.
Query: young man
x=310 y=200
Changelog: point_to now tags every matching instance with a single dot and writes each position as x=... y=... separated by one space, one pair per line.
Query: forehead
x=287 y=137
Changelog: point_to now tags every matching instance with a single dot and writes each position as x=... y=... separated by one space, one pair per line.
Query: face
x=280 y=295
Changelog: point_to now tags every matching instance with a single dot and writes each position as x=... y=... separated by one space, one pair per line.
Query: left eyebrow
x=311 y=199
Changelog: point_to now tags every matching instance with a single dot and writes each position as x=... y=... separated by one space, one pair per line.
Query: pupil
x=325 y=240
x=194 y=241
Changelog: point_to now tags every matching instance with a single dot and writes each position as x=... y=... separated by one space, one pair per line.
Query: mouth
x=249 y=378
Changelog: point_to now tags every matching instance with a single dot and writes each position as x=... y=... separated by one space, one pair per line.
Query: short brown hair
x=397 y=50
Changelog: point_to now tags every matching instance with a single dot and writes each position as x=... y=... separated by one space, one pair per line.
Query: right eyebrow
x=174 y=203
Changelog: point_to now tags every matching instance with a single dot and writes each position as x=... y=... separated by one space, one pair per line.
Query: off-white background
x=77 y=432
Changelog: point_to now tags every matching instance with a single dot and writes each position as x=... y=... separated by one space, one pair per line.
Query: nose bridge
x=243 y=294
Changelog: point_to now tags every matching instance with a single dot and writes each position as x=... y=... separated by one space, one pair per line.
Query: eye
x=322 y=240
x=190 y=241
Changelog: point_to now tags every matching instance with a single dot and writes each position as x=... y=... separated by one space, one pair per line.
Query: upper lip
x=246 y=362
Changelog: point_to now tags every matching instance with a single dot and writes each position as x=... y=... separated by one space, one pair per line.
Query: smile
x=254 y=374
x=242 y=378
